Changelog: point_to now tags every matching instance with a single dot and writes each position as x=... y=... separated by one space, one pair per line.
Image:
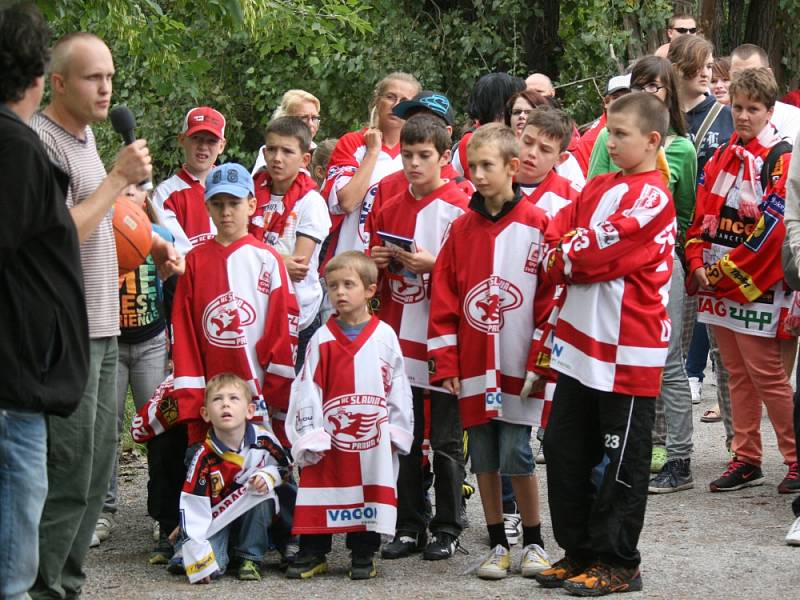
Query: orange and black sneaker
x=560 y=571
x=601 y=579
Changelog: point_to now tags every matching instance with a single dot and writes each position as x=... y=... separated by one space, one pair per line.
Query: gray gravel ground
x=694 y=544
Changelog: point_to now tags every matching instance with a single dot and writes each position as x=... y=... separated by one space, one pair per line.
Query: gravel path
x=694 y=544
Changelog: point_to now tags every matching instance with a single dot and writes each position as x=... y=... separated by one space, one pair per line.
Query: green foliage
x=240 y=56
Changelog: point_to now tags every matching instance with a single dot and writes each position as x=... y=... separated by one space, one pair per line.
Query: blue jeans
x=697 y=356
x=23 y=489
x=247 y=537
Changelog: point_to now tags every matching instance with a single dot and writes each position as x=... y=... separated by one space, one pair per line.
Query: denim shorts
x=499 y=446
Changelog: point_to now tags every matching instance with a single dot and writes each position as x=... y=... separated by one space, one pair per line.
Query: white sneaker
x=793 y=537
x=512 y=523
x=104 y=527
x=696 y=387
x=95 y=541
x=496 y=565
x=534 y=560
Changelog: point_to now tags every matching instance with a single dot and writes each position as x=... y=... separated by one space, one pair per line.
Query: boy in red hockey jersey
x=609 y=349
x=230 y=479
x=423 y=211
x=180 y=198
x=485 y=304
x=349 y=416
x=234 y=310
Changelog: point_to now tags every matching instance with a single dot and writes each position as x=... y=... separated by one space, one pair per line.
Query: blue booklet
x=396 y=268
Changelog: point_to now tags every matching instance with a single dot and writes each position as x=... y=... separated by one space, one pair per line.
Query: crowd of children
x=346 y=316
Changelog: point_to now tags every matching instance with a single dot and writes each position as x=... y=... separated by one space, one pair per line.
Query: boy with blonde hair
x=229 y=480
x=608 y=349
x=482 y=320
x=349 y=416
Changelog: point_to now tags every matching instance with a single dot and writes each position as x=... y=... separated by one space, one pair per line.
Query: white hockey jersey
x=349 y=415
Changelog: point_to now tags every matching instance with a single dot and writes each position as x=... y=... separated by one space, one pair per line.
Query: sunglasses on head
x=685 y=30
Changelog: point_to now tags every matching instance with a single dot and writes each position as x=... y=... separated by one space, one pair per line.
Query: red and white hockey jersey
x=405 y=306
x=216 y=491
x=485 y=304
x=613 y=330
x=234 y=312
x=396 y=184
x=345 y=160
x=181 y=200
x=349 y=416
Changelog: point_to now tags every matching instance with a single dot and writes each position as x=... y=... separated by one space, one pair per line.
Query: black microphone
x=124 y=123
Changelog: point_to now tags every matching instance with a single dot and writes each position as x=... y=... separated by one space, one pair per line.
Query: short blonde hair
x=321 y=157
x=499 y=136
x=221 y=380
x=363 y=265
x=291 y=99
x=757 y=84
x=380 y=87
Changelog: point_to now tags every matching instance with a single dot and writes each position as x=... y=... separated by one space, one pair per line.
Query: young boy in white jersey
x=292 y=217
x=485 y=305
x=609 y=348
x=422 y=212
x=234 y=310
x=180 y=197
x=349 y=417
x=230 y=480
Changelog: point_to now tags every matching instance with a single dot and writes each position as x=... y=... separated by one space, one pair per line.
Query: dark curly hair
x=24 y=49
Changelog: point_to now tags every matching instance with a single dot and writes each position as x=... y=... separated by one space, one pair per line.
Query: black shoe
x=162 y=551
x=405 y=543
x=738 y=475
x=443 y=545
x=790 y=483
x=175 y=566
x=305 y=567
x=675 y=476
x=362 y=567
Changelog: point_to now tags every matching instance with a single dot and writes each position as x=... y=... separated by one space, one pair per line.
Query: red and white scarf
x=737 y=163
x=274 y=222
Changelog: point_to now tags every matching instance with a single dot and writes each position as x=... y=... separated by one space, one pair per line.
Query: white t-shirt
x=309 y=218
x=786 y=119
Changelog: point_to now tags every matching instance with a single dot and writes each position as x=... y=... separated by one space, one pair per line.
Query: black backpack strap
x=775 y=153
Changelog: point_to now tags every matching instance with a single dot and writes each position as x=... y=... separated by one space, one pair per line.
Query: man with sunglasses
x=677 y=26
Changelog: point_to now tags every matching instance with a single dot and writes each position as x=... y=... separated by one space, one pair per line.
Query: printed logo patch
x=264 y=280
x=347 y=517
x=224 y=320
x=169 y=409
x=532 y=262
x=607 y=235
x=649 y=198
x=405 y=292
x=217 y=483
x=485 y=303
x=354 y=421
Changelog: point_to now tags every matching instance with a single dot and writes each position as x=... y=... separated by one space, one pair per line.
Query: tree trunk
x=765 y=28
x=542 y=45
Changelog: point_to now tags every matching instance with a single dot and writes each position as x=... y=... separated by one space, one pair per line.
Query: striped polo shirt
x=80 y=160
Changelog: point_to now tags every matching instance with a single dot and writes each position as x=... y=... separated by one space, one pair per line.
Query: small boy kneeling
x=229 y=482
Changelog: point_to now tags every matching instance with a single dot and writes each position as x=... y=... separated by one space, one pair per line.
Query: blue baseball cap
x=230 y=178
x=430 y=101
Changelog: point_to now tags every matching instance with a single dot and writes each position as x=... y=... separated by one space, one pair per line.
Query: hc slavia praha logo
x=486 y=302
x=224 y=320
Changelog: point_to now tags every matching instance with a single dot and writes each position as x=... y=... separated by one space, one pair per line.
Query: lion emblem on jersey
x=405 y=292
x=354 y=421
x=224 y=320
x=486 y=302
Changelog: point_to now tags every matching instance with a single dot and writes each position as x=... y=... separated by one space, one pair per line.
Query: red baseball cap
x=204 y=118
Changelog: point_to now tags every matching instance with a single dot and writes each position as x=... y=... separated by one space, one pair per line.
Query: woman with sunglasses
x=672 y=438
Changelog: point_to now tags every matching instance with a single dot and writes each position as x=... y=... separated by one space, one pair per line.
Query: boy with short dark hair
x=423 y=211
x=482 y=320
x=292 y=217
x=234 y=310
x=609 y=347
x=349 y=416
x=229 y=480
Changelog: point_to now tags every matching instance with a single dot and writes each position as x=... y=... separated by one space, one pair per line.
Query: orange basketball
x=133 y=234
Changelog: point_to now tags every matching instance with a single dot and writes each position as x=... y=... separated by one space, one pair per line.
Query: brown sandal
x=711 y=415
